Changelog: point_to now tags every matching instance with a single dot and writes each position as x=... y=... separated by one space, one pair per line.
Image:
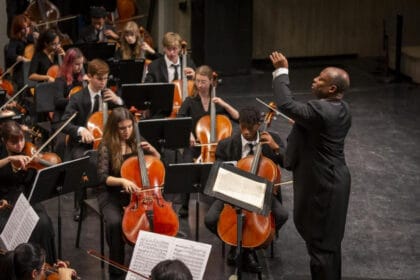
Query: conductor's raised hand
x=279 y=60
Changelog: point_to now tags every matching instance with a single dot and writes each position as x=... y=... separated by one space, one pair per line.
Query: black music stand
x=94 y=50
x=167 y=133
x=188 y=178
x=223 y=175
x=56 y=180
x=156 y=97
x=128 y=71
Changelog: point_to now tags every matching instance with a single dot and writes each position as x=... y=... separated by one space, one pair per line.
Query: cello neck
x=213 y=110
x=183 y=66
x=140 y=157
x=256 y=161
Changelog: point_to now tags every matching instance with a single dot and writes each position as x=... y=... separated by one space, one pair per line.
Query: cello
x=211 y=129
x=147 y=209
x=257 y=230
x=184 y=87
x=96 y=123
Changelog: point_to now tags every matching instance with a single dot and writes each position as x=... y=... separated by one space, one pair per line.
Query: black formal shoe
x=231 y=256
x=183 y=211
x=250 y=263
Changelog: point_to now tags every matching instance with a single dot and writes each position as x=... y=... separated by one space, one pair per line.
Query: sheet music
x=152 y=248
x=20 y=224
x=240 y=188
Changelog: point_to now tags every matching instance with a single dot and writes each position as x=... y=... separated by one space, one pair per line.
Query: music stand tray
x=239 y=188
x=128 y=71
x=167 y=133
x=158 y=97
x=188 y=178
x=57 y=179
x=94 y=50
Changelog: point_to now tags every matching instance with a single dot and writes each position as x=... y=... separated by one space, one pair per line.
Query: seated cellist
x=238 y=146
x=118 y=144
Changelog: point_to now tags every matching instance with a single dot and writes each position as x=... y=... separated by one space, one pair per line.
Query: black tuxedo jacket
x=230 y=149
x=315 y=154
x=158 y=72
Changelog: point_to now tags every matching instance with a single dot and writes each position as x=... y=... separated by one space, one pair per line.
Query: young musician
x=237 y=147
x=315 y=154
x=98 y=31
x=21 y=36
x=86 y=102
x=118 y=144
x=167 y=68
x=70 y=79
x=171 y=270
x=27 y=262
x=197 y=106
x=16 y=179
x=47 y=50
x=132 y=46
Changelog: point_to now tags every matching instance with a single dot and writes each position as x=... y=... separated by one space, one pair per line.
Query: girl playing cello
x=197 y=106
x=118 y=143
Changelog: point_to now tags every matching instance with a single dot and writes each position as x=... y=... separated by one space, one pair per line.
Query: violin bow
x=10 y=69
x=119 y=266
x=275 y=110
x=13 y=97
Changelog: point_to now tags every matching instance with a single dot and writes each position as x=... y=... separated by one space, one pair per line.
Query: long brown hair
x=11 y=130
x=111 y=137
x=127 y=52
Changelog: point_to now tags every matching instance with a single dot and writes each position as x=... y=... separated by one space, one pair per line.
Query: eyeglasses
x=202 y=82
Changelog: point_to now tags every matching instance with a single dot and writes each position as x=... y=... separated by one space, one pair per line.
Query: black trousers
x=324 y=264
x=111 y=204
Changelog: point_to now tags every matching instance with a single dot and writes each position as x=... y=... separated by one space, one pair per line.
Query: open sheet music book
x=152 y=248
x=20 y=224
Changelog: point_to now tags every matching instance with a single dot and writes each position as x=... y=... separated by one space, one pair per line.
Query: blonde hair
x=171 y=39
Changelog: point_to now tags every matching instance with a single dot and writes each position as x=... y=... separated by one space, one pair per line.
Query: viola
x=184 y=87
x=257 y=230
x=40 y=160
x=212 y=128
x=147 y=209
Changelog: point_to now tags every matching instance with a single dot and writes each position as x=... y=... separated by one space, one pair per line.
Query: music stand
x=56 y=180
x=128 y=71
x=188 y=178
x=156 y=97
x=243 y=190
x=167 y=133
x=94 y=50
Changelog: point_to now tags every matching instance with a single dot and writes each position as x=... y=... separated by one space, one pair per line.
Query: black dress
x=12 y=184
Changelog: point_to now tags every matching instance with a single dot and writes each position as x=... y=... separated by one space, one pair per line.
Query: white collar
x=169 y=62
x=246 y=142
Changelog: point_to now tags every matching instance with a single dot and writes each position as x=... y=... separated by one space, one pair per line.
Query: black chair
x=91 y=182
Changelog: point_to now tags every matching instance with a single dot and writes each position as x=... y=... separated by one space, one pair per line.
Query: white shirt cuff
x=280 y=71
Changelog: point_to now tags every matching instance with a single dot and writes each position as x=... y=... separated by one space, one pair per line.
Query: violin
x=210 y=129
x=257 y=230
x=184 y=87
x=147 y=209
x=40 y=160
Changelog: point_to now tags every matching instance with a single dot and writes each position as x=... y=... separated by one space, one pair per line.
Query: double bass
x=210 y=129
x=147 y=209
x=257 y=230
x=46 y=14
